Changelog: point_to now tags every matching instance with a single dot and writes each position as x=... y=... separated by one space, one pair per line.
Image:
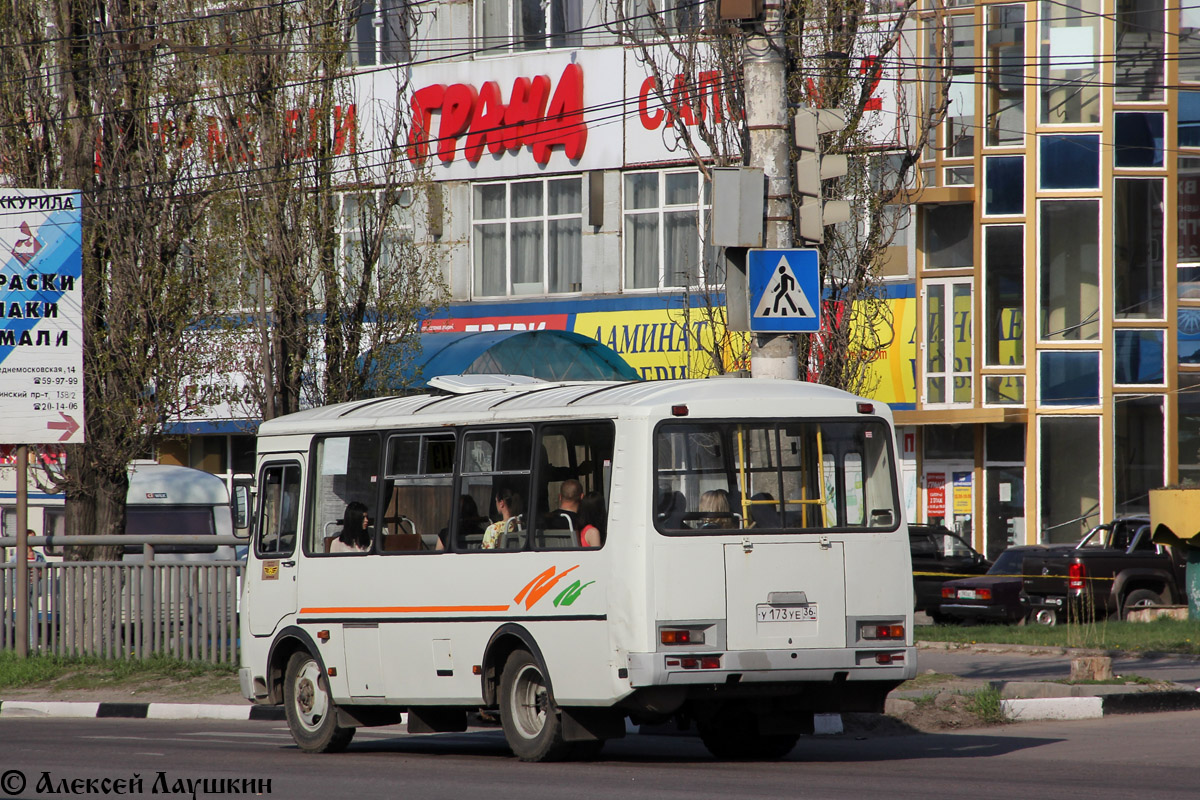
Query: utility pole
x=765 y=75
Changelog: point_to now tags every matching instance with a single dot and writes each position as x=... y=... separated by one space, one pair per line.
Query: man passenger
x=570 y=493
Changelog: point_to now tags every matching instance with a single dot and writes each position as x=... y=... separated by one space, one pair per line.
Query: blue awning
x=549 y=355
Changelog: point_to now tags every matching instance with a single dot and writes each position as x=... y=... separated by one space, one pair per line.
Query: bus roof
x=165 y=484
x=741 y=397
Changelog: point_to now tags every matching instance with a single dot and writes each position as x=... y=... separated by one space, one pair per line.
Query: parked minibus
x=727 y=554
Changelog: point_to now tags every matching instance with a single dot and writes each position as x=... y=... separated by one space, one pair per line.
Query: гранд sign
x=41 y=317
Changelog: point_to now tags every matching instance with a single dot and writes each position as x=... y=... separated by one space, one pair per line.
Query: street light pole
x=765 y=73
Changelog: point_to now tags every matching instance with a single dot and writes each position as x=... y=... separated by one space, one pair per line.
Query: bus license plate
x=787 y=613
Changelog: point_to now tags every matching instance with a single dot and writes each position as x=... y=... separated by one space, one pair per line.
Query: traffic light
x=812 y=168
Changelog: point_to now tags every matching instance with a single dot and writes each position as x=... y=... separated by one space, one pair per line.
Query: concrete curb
x=34 y=708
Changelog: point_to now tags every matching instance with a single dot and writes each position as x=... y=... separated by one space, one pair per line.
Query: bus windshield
x=792 y=475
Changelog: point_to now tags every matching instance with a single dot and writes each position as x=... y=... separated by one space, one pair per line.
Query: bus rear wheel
x=733 y=734
x=531 y=720
x=311 y=713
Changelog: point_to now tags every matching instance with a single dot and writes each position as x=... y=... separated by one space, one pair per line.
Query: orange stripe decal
x=544 y=584
x=399 y=609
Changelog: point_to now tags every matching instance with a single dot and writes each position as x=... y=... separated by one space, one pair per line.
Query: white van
x=166 y=499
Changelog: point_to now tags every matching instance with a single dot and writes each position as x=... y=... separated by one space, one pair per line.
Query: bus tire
x=531 y=720
x=732 y=734
x=311 y=713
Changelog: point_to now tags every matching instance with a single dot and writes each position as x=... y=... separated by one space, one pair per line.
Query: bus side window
x=279 y=512
x=346 y=470
x=418 y=492
x=496 y=471
x=572 y=502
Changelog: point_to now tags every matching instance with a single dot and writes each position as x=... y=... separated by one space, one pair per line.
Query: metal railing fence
x=112 y=610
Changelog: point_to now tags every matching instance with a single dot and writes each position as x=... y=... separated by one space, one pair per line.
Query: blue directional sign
x=785 y=291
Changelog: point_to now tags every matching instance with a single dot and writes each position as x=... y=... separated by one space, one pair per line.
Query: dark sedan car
x=994 y=597
x=939 y=554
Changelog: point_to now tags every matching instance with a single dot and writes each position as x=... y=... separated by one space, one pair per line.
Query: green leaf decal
x=568 y=595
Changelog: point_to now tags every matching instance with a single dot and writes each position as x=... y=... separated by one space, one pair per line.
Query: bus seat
x=671 y=508
x=557 y=538
x=394 y=542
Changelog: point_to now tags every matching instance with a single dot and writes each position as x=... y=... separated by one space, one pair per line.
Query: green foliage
x=1160 y=636
x=986 y=703
x=85 y=673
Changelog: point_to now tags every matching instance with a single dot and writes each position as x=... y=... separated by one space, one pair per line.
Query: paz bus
x=752 y=567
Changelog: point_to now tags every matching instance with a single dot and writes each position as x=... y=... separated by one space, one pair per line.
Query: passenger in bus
x=508 y=505
x=570 y=492
x=715 y=505
x=354 y=538
x=592 y=519
x=470 y=524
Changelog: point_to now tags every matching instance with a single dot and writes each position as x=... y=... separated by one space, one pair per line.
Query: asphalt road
x=1151 y=755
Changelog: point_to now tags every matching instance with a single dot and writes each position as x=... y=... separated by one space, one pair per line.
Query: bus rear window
x=787 y=476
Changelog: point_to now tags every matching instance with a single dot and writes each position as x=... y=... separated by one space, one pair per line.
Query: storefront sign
x=962 y=493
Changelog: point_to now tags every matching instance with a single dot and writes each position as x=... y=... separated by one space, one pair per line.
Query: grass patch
x=986 y=704
x=1160 y=636
x=88 y=673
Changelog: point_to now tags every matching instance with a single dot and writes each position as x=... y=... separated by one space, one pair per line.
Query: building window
x=1189 y=427
x=1070 y=162
x=949 y=235
x=1004 y=390
x=1070 y=477
x=1187 y=208
x=1189 y=42
x=528 y=237
x=1140 y=30
x=948 y=342
x=667 y=243
x=1004 y=294
x=1005 y=185
x=1187 y=332
x=960 y=114
x=1069 y=378
x=360 y=212
x=529 y=24
x=1070 y=67
x=1138 y=357
x=1138 y=270
x=666 y=18
x=1005 y=76
x=1070 y=270
x=382 y=33
x=1137 y=451
x=1139 y=140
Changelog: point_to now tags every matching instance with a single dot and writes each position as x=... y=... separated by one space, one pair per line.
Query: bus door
x=273 y=572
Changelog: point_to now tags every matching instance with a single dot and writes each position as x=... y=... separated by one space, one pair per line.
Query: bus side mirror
x=241 y=511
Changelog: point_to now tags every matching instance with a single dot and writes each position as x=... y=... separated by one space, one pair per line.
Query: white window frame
x=948 y=374
x=349 y=231
x=508 y=220
x=387 y=18
x=703 y=210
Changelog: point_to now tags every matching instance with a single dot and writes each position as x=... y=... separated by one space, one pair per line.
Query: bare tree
x=98 y=96
x=844 y=54
x=317 y=214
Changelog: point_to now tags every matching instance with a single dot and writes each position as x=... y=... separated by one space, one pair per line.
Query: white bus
x=752 y=570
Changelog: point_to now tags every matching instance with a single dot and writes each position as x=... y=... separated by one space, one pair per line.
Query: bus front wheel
x=311 y=713
x=531 y=720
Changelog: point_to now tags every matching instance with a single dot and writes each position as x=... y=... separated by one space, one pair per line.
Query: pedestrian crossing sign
x=785 y=291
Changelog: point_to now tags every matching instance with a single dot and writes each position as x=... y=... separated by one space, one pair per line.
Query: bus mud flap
x=436 y=719
x=592 y=724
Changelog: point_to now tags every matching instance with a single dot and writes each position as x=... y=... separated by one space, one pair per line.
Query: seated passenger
x=567 y=514
x=715 y=504
x=592 y=519
x=354 y=538
x=508 y=504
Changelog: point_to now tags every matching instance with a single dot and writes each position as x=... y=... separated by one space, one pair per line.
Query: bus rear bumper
x=773 y=666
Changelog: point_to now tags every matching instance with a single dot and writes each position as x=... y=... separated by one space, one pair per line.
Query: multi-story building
x=1046 y=359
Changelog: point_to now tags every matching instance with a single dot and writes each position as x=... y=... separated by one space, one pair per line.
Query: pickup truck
x=1113 y=569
